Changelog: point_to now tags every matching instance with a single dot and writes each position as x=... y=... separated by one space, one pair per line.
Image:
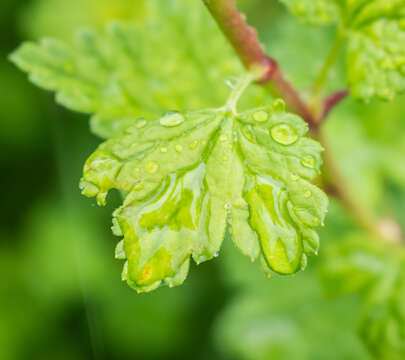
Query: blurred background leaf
x=285 y=317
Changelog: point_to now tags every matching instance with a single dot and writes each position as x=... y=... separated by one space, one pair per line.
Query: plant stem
x=336 y=182
x=329 y=62
x=239 y=88
x=331 y=101
x=244 y=40
x=242 y=37
x=278 y=83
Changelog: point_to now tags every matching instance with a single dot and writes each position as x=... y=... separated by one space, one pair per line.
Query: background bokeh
x=61 y=295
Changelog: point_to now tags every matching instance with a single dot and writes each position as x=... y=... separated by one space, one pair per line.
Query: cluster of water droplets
x=284 y=134
x=170 y=119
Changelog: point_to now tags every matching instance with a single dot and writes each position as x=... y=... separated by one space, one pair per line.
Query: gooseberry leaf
x=317 y=12
x=188 y=178
x=375 y=32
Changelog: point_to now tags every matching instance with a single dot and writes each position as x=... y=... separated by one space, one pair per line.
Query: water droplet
x=163 y=150
x=247 y=131
x=304 y=262
x=294 y=177
x=307 y=194
x=140 y=123
x=284 y=134
x=194 y=144
x=308 y=161
x=216 y=254
x=260 y=116
x=138 y=186
x=230 y=83
x=200 y=259
x=278 y=105
x=172 y=118
x=179 y=148
x=152 y=166
x=223 y=138
x=89 y=188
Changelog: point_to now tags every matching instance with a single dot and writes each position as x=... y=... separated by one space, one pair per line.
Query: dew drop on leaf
x=308 y=161
x=89 y=188
x=249 y=134
x=138 y=186
x=260 y=116
x=279 y=105
x=284 y=134
x=307 y=194
x=172 y=118
x=223 y=138
x=179 y=148
x=152 y=166
x=194 y=144
x=163 y=150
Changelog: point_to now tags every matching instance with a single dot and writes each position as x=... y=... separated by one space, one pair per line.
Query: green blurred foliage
x=374 y=33
x=42 y=17
x=61 y=296
x=285 y=318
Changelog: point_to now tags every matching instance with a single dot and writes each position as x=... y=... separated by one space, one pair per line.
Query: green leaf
x=315 y=12
x=261 y=326
x=352 y=264
x=376 y=60
x=137 y=69
x=279 y=319
x=383 y=325
x=376 y=269
x=188 y=177
x=375 y=55
x=36 y=20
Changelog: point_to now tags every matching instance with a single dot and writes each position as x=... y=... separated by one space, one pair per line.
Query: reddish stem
x=331 y=101
x=242 y=37
x=244 y=40
x=282 y=86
